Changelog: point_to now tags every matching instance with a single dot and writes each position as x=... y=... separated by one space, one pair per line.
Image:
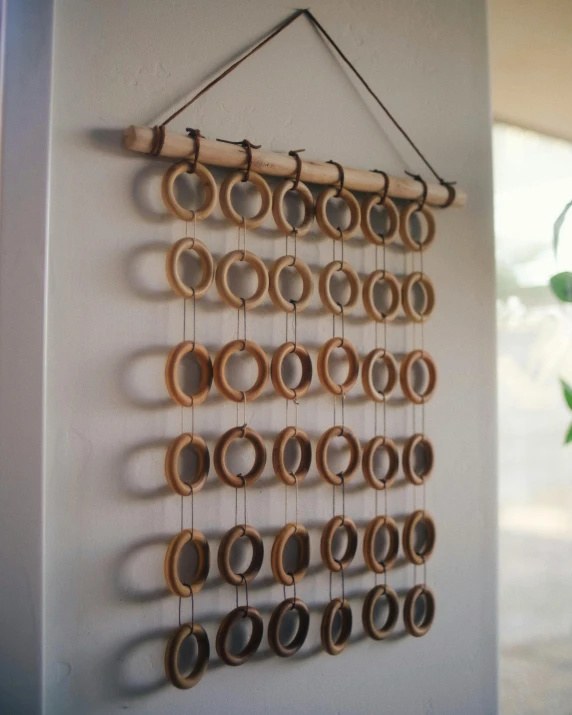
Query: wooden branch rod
x=178 y=146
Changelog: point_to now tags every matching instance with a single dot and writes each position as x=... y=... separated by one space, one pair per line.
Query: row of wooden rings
x=208 y=372
x=417 y=555
x=330 y=645
x=298 y=531
x=268 y=282
x=414 y=473
x=397 y=221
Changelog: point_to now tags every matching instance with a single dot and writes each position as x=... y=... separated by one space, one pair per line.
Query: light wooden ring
x=224 y=549
x=278 y=208
x=392 y=215
x=174 y=478
x=326 y=543
x=168 y=192
x=226 y=199
x=417 y=478
x=322 y=217
x=380 y=442
x=172 y=268
x=367 y=374
x=379 y=634
x=368 y=299
x=323 y=369
x=226 y=625
x=301 y=533
x=373 y=528
x=329 y=645
x=322 y=455
x=289 y=604
x=413 y=594
x=418 y=557
x=221 y=279
x=174 y=549
x=405 y=376
x=172 y=373
x=291 y=393
x=324 y=287
x=405 y=232
x=219 y=368
x=280 y=443
x=274 y=284
x=221 y=447
x=184 y=631
x=418 y=316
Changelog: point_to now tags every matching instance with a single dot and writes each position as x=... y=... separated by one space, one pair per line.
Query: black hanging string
x=160 y=130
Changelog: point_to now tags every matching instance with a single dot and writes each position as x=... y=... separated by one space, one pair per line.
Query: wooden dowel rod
x=178 y=146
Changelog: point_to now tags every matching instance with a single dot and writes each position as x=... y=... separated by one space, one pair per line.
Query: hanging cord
x=248 y=146
x=296 y=154
x=197 y=136
x=159 y=131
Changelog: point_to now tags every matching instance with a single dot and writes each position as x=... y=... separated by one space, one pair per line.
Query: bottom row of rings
x=330 y=645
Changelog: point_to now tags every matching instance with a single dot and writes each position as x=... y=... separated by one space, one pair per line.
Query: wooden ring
x=289 y=604
x=329 y=645
x=274 y=284
x=379 y=239
x=184 y=631
x=172 y=373
x=417 y=478
x=168 y=193
x=323 y=369
x=222 y=358
x=172 y=268
x=174 y=478
x=413 y=594
x=221 y=447
x=280 y=443
x=380 y=442
x=379 y=634
x=367 y=374
x=368 y=299
x=226 y=199
x=324 y=287
x=322 y=217
x=405 y=232
x=410 y=359
x=276 y=557
x=291 y=393
x=371 y=532
x=221 y=280
x=224 y=549
x=326 y=543
x=278 y=208
x=418 y=557
x=226 y=625
x=418 y=316
x=322 y=455
x=176 y=586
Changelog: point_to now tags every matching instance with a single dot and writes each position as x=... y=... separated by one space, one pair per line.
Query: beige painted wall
x=531 y=61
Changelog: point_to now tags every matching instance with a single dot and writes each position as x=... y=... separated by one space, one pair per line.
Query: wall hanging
x=410 y=301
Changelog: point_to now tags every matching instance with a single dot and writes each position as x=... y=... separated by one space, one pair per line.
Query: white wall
x=111 y=321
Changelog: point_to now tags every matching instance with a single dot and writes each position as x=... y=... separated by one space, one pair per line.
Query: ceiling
x=531 y=64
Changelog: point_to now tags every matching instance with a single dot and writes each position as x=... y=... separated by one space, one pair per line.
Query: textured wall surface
x=112 y=320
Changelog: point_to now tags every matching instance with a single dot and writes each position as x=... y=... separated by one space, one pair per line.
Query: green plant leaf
x=567 y=390
x=561 y=285
x=558 y=225
x=568 y=437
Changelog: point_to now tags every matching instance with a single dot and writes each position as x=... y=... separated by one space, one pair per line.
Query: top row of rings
x=398 y=222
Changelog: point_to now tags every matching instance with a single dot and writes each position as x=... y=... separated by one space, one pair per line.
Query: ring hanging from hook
x=168 y=191
x=184 y=631
x=452 y=193
x=421 y=180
